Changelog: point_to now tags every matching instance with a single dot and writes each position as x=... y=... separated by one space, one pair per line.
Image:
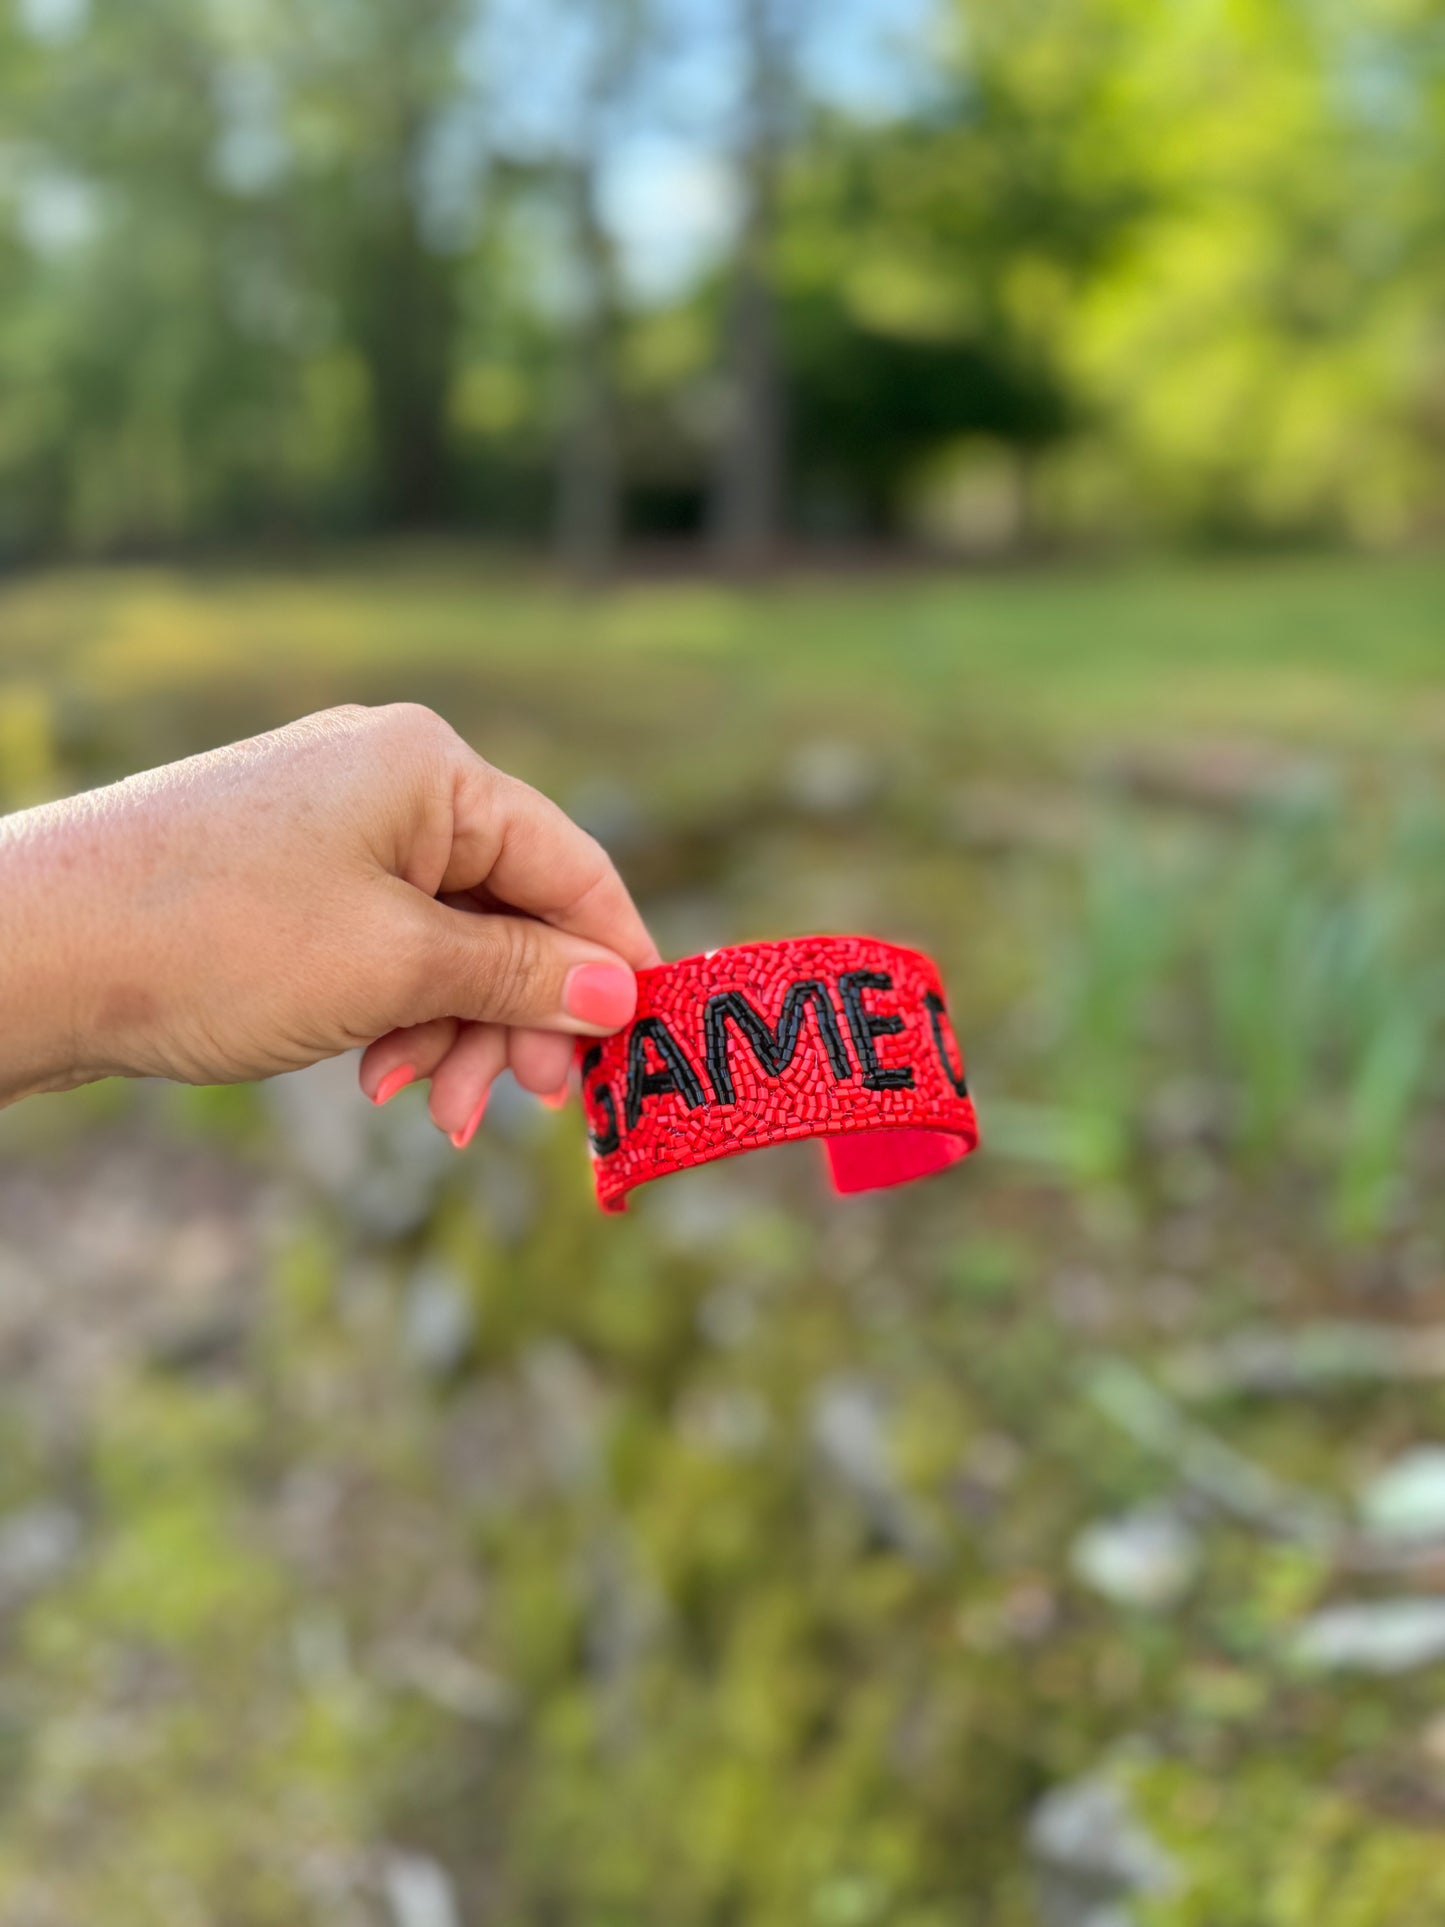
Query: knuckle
x=414 y=979
x=596 y=874
x=594 y=859
x=412 y=722
x=514 y=966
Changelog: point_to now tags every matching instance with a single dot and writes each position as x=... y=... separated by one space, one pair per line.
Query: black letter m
x=774 y=1049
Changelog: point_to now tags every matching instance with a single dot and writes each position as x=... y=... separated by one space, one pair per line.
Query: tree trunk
x=404 y=291
x=405 y=326
x=747 y=512
x=588 y=489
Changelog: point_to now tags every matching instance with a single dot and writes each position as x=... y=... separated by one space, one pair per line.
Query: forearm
x=53 y=948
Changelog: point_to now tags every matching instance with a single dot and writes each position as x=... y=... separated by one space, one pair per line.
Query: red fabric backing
x=876 y=1137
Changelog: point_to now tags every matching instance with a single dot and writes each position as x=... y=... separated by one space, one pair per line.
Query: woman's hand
x=360 y=877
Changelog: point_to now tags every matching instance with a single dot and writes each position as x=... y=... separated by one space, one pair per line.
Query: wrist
x=55 y=951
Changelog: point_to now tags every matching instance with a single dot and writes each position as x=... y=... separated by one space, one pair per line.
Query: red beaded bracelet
x=842 y=1038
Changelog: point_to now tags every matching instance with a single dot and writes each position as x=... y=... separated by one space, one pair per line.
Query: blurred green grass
x=1335 y=649
x=725 y=1568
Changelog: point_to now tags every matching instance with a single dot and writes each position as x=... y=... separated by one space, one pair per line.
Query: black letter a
x=678 y=1075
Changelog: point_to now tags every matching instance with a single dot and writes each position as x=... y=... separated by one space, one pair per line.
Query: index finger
x=529 y=853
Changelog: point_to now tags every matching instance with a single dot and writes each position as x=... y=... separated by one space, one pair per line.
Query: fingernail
x=554 y=1100
x=600 y=994
x=462 y=1138
x=393 y=1082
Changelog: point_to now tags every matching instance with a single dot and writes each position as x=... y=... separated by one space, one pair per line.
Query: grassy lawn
x=1338 y=651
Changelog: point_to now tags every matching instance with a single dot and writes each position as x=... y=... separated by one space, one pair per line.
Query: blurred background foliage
x=1034 y=273
x=385 y=1539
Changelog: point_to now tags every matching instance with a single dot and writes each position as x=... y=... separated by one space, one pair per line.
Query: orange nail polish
x=393 y=1082
x=462 y=1138
x=555 y=1100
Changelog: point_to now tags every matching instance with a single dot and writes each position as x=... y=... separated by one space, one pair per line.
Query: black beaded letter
x=603 y=1142
x=938 y=1017
x=677 y=1075
x=866 y=1025
x=774 y=1049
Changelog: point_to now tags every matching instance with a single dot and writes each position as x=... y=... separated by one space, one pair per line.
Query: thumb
x=515 y=970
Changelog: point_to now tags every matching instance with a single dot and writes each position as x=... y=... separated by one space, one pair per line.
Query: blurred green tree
x=370 y=86
x=1173 y=269
x=139 y=352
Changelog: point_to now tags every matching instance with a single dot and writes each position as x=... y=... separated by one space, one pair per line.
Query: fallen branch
x=1204 y=1462
x=1237 y=1485
x=1315 y=1358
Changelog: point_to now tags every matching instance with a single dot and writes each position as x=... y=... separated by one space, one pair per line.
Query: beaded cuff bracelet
x=843 y=1038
